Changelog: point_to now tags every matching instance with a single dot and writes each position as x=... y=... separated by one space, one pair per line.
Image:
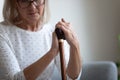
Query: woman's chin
x=33 y=19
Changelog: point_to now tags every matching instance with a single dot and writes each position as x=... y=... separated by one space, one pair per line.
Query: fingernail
x=63 y=19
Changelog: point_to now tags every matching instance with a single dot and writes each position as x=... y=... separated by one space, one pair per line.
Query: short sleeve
x=9 y=67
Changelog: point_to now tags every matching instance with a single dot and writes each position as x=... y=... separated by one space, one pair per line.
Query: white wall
x=96 y=22
x=102 y=27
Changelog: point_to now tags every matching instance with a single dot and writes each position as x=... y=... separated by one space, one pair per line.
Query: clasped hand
x=69 y=35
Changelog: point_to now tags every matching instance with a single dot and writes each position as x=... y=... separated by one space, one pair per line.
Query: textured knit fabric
x=20 y=48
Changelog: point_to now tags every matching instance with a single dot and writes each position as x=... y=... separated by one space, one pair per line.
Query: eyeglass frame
x=30 y=2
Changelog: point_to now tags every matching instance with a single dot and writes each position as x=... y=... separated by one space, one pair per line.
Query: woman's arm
x=9 y=67
x=35 y=69
x=74 y=64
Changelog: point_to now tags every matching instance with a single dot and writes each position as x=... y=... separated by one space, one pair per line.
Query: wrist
x=53 y=52
x=74 y=44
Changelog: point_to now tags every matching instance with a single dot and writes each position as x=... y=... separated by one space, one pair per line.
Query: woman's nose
x=33 y=4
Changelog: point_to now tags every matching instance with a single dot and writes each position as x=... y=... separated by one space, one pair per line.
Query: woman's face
x=30 y=11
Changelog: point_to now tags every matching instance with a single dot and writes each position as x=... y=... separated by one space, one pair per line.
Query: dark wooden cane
x=61 y=39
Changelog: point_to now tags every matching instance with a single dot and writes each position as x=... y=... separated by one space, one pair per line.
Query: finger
x=63 y=20
x=63 y=27
x=66 y=25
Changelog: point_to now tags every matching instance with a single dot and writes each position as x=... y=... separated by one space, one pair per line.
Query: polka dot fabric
x=20 y=48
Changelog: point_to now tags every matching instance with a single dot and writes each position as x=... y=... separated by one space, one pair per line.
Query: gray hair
x=10 y=12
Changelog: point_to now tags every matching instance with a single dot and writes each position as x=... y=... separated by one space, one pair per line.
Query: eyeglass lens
x=26 y=3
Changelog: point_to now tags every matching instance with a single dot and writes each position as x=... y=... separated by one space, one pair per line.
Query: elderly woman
x=28 y=45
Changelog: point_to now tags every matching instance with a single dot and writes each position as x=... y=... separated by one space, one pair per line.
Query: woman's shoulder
x=4 y=28
x=5 y=23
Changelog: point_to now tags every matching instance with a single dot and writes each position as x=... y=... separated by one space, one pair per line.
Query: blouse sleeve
x=9 y=67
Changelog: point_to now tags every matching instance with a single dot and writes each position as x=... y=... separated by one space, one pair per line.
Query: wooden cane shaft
x=62 y=60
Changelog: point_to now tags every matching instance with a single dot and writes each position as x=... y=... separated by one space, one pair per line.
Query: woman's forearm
x=35 y=69
x=74 y=65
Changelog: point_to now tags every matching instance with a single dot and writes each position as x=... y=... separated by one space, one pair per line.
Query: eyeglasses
x=27 y=3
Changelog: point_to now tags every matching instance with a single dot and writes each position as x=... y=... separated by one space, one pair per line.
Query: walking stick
x=61 y=38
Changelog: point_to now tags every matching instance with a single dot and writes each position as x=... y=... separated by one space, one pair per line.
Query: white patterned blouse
x=20 y=48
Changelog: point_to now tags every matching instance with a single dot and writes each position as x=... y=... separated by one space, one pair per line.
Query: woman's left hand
x=69 y=34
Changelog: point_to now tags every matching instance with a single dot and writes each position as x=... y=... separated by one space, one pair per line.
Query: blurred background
x=96 y=22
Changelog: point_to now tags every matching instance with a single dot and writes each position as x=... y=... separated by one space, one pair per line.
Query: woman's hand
x=74 y=59
x=69 y=34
